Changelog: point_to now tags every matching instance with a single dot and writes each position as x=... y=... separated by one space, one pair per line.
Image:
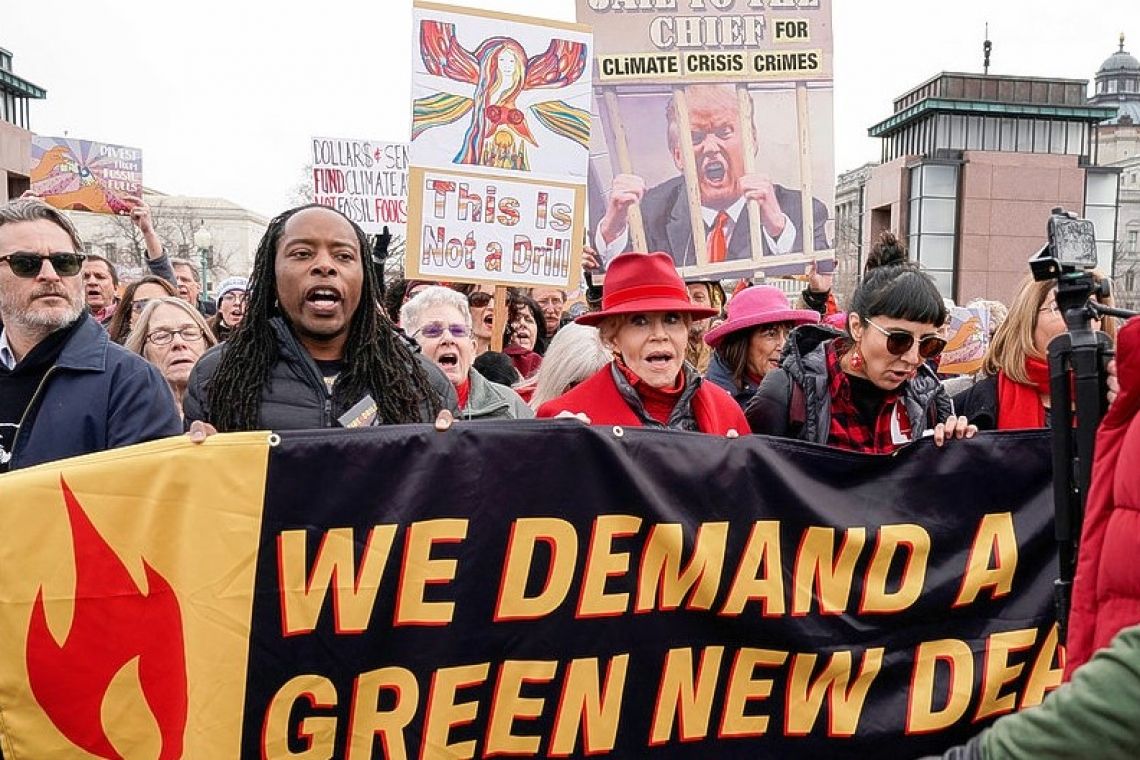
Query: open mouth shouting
x=713 y=170
x=449 y=361
x=323 y=300
x=659 y=367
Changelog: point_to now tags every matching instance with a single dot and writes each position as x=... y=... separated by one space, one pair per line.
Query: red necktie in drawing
x=717 y=241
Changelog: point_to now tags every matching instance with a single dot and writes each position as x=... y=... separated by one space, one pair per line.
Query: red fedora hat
x=644 y=282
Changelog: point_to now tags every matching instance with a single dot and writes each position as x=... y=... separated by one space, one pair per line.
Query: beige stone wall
x=15 y=154
x=1005 y=205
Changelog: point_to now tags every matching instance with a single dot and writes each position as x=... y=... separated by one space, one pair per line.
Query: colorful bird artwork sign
x=500 y=93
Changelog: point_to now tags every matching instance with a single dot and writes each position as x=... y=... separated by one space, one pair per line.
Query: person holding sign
x=716 y=125
x=439 y=319
x=868 y=389
x=644 y=322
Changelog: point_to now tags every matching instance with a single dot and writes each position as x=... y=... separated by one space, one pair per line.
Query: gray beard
x=45 y=323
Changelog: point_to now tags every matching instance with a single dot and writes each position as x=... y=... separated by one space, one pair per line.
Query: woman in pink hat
x=644 y=323
x=750 y=341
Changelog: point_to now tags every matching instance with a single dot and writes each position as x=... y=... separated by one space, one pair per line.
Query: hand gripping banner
x=526 y=589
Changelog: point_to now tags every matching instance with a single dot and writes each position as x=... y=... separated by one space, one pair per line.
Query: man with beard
x=65 y=388
x=715 y=131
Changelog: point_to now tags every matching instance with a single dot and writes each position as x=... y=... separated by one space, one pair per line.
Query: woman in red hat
x=644 y=322
x=750 y=341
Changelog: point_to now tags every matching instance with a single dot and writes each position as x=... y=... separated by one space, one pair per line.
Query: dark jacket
x=805 y=363
x=720 y=374
x=979 y=403
x=669 y=226
x=295 y=396
x=97 y=396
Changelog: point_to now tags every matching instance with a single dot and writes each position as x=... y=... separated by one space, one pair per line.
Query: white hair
x=411 y=313
x=575 y=353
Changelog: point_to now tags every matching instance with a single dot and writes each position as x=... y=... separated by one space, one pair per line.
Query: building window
x=1132 y=241
x=934 y=222
x=1100 y=209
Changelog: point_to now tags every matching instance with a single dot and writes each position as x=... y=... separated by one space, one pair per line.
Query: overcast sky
x=222 y=97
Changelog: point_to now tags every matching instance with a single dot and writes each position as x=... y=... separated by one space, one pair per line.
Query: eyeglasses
x=900 y=341
x=163 y=337
x=1051 y=306
x=436 y=329
x=479 y=299
x=30 y=264
x=234 y=296
x=552 y=301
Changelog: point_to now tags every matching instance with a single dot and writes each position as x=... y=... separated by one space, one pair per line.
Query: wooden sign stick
x=748 y=139
x=499 y=321
x=692 y=181
x=625 y=166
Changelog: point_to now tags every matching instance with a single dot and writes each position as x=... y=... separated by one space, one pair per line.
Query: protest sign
x=434 y=595
x=501 y=102
x=85 y=176
x=366 y=180
x=968 y=335
x=751 y=86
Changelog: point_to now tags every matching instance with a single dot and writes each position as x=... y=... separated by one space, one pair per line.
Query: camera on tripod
x=1071 y=247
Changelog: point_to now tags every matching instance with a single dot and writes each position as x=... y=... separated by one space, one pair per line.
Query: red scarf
x=1019 y=405
x=658 y=402
x=463 y=391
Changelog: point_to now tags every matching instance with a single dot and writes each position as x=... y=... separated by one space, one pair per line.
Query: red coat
x=598 y=398
x=1106 y=591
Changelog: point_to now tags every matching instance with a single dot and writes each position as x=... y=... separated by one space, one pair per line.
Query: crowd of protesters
x=313 y=339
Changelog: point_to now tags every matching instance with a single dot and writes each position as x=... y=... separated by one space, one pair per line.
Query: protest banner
x=501 y=107
x=751 y=84
x=642 y=593
x=366 y=180
x=85 y=176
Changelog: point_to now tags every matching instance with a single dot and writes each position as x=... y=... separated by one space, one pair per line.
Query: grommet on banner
x=274 y=439
x=618 y=431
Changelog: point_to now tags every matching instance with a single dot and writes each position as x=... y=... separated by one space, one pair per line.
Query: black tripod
x=1077 y=386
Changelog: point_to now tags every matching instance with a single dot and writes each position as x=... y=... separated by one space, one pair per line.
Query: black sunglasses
x=29 y=264
x=479 y=299
x=900 y=341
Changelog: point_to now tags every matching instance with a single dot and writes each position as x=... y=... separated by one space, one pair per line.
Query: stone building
x=16 y=95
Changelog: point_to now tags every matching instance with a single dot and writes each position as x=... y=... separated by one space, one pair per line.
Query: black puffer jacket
x=804 y=363
x=296 y=397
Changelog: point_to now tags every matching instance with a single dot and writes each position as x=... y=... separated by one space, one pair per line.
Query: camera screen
x=1074 y=241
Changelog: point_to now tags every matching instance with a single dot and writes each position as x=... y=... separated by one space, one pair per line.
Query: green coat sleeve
x=1095 y=715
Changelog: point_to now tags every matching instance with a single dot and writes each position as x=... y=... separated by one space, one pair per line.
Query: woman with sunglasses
x=750 y=342
x=134 y=300
x=171 y=334
x=1013 y=392
x=868 y=389
x=481 y=301
x=439 y=319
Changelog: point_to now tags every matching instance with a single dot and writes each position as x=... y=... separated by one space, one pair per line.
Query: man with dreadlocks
x=314 y=349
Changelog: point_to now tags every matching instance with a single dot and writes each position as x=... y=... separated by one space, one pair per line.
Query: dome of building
x=1120 y=61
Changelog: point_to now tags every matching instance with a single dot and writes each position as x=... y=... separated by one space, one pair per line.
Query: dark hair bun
x=888 y=251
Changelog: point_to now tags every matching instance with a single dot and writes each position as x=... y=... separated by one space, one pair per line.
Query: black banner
x=536 y=589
